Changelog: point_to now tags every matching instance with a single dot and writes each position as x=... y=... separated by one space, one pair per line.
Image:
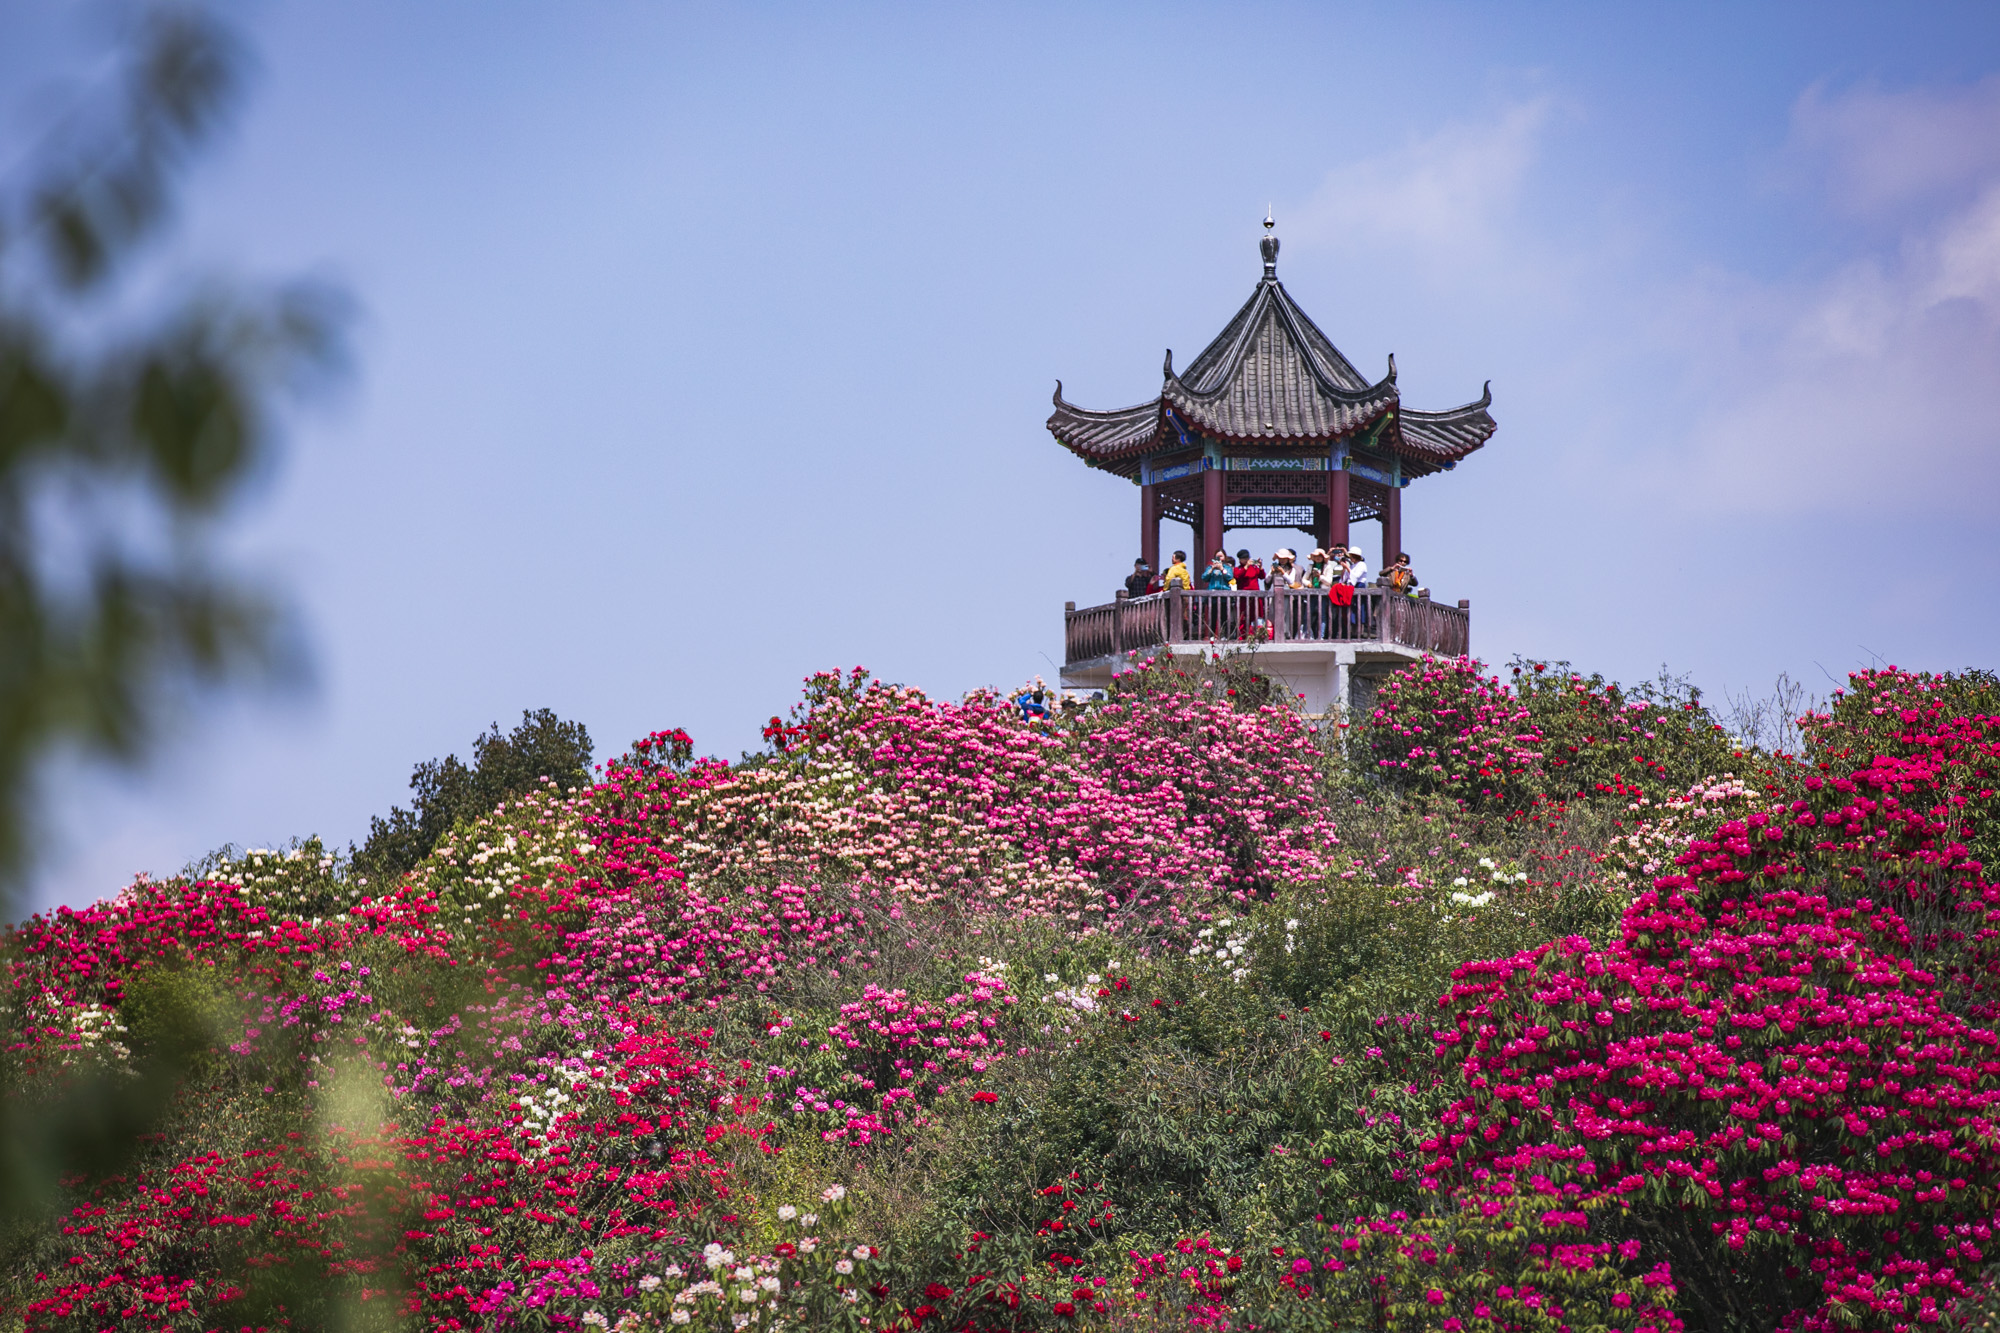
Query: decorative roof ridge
x=1380 y=389
x=1220 y=363
x=1318 y=344
x=1066 y=405
x=1480 y=404
x=1226 y=347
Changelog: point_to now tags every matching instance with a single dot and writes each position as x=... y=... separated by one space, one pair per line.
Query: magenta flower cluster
x=1786 y=1054
x=1111 y=821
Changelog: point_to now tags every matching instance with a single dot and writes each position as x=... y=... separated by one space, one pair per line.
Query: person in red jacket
x=1249 y=574
x=1249 y=578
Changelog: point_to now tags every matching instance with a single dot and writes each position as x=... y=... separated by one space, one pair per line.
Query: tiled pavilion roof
x=1272 y=378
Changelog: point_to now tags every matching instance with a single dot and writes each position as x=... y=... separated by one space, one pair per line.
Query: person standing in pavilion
x=1399 y=576
x=1249 y=574
x=1249 y=578
x=1282 y=575
x=1218 y=577
x=1317 y=579
x=1283 y=578
x=1355 y=573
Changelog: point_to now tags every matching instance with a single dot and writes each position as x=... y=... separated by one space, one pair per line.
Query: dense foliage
x=449 y=790
x=1520 y=1006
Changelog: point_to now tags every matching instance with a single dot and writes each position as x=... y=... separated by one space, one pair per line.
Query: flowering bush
x=1545 y=736
x=930 y=1016
x=1664 y=830
x=1756 y=1084
x=1110 y=822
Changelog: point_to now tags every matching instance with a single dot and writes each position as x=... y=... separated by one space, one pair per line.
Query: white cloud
x=1867 y=385
x=1882 y=150
x=1964 y=262
x=1447 y=195
x=1871 y=388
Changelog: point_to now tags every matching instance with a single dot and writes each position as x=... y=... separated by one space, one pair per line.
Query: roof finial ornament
x=1269 y=245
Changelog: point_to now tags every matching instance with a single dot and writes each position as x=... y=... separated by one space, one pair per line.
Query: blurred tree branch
x=124 y=440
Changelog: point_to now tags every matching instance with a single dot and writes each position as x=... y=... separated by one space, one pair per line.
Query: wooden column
x=1392 y=526
x=1336 y=509
x=1149 y=526
x=1211 y=518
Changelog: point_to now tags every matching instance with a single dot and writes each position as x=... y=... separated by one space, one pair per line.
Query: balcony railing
x=1286 y=615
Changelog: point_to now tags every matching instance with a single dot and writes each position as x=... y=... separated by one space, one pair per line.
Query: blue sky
x=703 y=346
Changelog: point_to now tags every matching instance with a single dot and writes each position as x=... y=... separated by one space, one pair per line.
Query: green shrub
x=177 y=1014
x=448 y=790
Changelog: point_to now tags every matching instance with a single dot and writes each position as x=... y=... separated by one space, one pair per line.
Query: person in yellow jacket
x=1178 y=575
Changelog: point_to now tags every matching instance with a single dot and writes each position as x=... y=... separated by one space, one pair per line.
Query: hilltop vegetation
x=449 y=791
x=1528 y=1004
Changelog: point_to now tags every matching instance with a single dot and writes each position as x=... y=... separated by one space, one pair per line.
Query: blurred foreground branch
x=124 y=440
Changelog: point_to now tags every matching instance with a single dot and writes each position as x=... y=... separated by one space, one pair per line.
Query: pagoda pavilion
x=1270 y=427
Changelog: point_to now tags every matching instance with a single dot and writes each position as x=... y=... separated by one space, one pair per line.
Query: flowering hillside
x=1527 y=1005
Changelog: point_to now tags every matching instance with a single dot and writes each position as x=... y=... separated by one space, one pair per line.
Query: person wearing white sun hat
x=1357 y=577
x=1283 y=577
x=1284 y=571
x=1314 y=610
x=1318 y=575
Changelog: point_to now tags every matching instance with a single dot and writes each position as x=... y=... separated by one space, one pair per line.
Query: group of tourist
x=1340 y=567
x=1038 y=703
